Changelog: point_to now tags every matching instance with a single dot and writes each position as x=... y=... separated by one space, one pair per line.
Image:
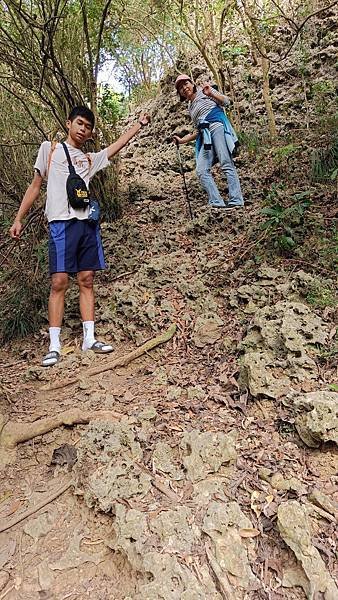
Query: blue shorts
x=75 y=246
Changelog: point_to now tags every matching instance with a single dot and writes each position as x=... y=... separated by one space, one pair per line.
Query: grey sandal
x=101 y=348
x=50 y=359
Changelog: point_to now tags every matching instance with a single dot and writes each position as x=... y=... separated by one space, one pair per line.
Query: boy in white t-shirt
x=74 y=243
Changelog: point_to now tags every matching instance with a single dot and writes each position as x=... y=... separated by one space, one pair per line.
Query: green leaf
x=286 y=242
x=273 y=211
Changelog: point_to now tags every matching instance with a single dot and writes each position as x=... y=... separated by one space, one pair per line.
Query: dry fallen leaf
x=67 y=350
x=249 y=532
x=332 y=333
x=254 y=506
x=7 y=494
x=11 y=509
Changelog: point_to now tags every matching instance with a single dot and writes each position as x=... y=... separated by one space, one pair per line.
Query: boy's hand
x=15 y=230
x=144 y=119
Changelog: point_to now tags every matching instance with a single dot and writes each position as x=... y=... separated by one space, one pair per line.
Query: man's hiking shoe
x=101 y=348
x=50 y=359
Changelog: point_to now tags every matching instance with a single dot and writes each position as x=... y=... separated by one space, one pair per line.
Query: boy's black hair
x=82 y=111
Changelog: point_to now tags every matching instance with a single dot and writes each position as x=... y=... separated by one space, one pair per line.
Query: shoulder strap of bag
x=70 y=165
x=52 y=148
x=89 y=162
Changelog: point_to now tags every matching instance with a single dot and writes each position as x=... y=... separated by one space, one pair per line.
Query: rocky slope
x=303 y=94
x=214 y=473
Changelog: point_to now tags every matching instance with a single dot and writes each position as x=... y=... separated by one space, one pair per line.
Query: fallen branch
x=312 y=265
x=224 y=586
x=323 y=513
x=13 y=433
x=118 y=362
x=33 y=509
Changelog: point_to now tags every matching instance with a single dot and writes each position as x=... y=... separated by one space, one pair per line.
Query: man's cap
x=180 y=78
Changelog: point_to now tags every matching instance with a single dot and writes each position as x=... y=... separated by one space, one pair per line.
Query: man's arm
x=32 y=193
x=127 y=136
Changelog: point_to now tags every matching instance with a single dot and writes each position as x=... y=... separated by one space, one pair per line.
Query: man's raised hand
x=144 y=119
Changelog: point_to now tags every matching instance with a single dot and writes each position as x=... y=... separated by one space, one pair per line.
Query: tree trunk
x=267 y=97
x=235 y=117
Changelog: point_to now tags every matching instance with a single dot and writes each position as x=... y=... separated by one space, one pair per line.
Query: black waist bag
x=77 y=192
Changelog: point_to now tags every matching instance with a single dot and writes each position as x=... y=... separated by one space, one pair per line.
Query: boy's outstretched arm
x=123 y=140
x=32 y=193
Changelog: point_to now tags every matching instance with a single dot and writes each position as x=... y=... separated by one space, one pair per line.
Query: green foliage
x=284 y=152
x=141 y=92
x=276 y=191
x=250 y=140
x=321 y=295
x=320 y=244
x=324 y=162
x=323 y=88
x=282 y=222
x=323 y=94
x=331 y=354
x=327 y=248
x=111 y=105
x=25 y=294
x=231 y=53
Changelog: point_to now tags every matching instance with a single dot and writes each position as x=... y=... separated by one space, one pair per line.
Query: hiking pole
x=183 y=175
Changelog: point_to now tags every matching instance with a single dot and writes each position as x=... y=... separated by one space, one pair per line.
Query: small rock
x=38 y=527
x=196 y=393
x=148 y=414
x=294 y=527
x=207 y=331
x=64 y=455
x=279 y=483
x=319 y=499
x=319 y=421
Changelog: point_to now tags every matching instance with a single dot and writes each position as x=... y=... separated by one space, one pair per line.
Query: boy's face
x=80 y=130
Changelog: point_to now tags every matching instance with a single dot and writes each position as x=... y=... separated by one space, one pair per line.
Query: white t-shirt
x=86 y=165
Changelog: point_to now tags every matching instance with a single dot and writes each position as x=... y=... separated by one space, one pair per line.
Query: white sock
x=88 y=335
x=54 y=337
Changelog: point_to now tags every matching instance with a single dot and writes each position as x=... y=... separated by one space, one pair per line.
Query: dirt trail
x=184 y=496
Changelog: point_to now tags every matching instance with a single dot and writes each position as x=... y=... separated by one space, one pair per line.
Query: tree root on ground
x=14 y=433
x=47 y=499
x=118 y=362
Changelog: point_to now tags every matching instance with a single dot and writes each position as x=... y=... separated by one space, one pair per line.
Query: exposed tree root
x=47 y=499
x=118 y=362
x=13 y=433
